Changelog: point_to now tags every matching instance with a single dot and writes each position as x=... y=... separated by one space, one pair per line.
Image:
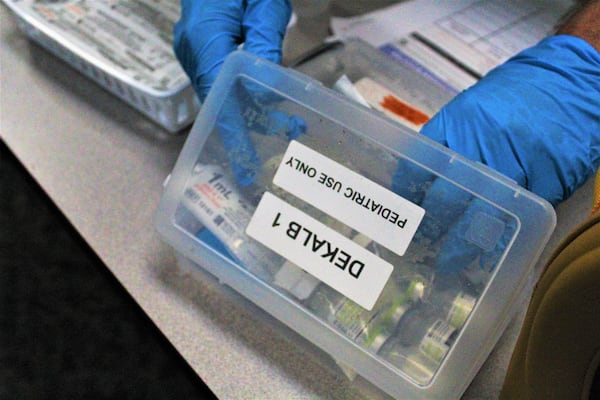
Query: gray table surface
x=103 y=165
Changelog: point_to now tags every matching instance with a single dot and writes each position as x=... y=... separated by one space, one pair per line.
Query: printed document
x=455 y=41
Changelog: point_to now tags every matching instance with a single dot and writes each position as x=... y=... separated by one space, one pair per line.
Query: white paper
x=459 y=42
x=393 y=22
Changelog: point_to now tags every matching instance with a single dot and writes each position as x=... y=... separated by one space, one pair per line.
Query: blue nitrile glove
x=250 y=109
x=209 y=30
x=535 y=119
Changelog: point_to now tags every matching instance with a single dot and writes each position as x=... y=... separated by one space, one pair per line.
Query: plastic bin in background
x=124 y=46
x=399 y=258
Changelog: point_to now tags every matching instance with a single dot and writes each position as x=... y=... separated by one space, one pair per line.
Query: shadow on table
x=68 y=329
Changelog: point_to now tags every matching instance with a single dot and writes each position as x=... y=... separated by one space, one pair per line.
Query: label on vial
x=324 y=253
x=360 y=203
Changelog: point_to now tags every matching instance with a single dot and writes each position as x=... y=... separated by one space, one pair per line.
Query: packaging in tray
x=124 y=45
x=396 y=256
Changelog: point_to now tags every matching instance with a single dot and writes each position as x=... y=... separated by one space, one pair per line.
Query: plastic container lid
x=345 y=225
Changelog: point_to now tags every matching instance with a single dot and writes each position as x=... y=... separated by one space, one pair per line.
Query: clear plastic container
x=124 y=46
x=399 y=258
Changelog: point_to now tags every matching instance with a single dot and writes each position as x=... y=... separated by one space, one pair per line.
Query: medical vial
x=421 y=343
x=452 y=305
x=369 y=328
x=211 y=198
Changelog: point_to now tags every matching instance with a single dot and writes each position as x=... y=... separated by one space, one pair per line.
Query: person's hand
x=247 y=109
x=535 y=119
x=209 y=30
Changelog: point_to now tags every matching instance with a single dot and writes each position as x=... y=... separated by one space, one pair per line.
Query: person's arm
x=584 y=23
x=556 y=354
x=535 y=119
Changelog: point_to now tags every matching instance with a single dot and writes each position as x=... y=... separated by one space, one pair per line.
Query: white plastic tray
x=125 y=46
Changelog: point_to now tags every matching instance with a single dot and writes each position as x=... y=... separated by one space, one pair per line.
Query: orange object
x=403 y=110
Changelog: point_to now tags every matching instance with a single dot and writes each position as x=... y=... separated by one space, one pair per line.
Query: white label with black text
x=324 y=253
x=360 y=203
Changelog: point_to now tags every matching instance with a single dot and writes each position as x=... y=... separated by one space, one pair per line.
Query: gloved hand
x=248 y=109
x=209 y=30
x=535 y=119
